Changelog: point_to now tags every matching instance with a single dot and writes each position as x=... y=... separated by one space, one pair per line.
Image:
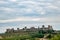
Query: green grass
x=16 y=37
x=55 y=37
x=28 y=36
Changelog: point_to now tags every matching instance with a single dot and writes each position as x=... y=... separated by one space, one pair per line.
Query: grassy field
x=27 y=37
x=55 y=37
x=17 y=37
x=35 y=36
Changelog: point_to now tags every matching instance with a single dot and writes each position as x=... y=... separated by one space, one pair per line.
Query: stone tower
x=43 y=26
x=18 y=29
x=50 y=27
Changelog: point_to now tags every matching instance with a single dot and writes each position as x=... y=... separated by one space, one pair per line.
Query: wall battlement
x=32 y=29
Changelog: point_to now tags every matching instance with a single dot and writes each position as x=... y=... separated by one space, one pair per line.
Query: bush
x=37 y=35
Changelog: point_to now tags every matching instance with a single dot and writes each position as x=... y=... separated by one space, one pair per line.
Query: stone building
x=26 y=30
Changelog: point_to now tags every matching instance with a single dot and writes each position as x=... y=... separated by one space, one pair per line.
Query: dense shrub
x=37 y=35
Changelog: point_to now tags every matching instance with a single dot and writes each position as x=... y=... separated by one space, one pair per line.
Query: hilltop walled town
x=32 y=29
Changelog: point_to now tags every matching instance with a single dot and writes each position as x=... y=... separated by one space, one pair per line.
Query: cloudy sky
x=20 y=13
